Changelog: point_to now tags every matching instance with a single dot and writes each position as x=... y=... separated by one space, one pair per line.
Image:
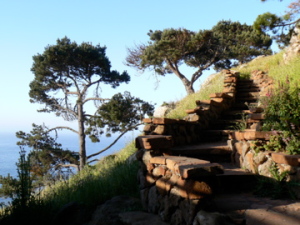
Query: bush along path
x=202 y=168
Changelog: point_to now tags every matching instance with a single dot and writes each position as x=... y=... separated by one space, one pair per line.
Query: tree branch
x=62 y=128
x=72 y=93
x=95 y=99
x=94 y=160
x=58 y=106
x=114 y=142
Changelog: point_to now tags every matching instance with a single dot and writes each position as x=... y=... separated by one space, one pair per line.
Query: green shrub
x=282 y=112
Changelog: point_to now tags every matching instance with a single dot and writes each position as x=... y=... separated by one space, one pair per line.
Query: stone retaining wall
x=175 y=187
x=245 y=144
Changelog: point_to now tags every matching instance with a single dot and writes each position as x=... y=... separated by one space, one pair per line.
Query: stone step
x=247 y=94
x=215 y=152
x=154 y=142
x=250 y=135
x=235 y=179
x=246 y=86
x=246 y=99
x=252 y=89
x=187 y=167
x=215 y=132
x=239 y=112
x=243 y=81
x=254 y=210
x=214 y=135
x=257 y=116
x=234 y=121
x=240 y=106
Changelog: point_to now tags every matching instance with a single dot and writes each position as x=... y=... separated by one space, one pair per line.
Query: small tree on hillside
x=222 y=46
x=64 y=76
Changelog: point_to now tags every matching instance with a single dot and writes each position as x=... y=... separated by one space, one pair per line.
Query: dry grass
x=214 y=85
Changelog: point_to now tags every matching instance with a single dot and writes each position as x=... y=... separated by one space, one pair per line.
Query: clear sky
x=27 y=27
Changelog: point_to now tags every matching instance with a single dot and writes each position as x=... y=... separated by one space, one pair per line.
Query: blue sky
x=27 y=27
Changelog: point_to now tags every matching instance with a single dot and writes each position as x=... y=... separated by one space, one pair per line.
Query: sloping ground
x=232 y=183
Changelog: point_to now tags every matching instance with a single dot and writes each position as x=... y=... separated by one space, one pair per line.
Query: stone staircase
x=186 y=163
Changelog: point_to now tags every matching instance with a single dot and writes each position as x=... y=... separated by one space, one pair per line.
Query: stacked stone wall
x=248 y=153
x=174 y=187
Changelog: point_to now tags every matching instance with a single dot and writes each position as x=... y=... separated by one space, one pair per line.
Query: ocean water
x=9 y=151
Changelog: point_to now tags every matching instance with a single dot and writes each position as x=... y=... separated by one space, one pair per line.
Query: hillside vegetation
x=114 y=175
x=273 y=65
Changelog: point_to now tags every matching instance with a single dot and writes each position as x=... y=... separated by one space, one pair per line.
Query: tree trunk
x=189 y=89
x=81 y=134
x=187 y=84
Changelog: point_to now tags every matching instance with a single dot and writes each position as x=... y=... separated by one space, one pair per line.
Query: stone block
x=237 y=135
x=149 y=167
x=245 y=148
x=238 y=160
x=249 y=162
x=264 y=169
x=292 y=160
x=197 y=189
x=253 y=135
x=159 y=171
x=146 y=157
x=160 y=129
x=147 y=120
x=194 y=171
x=154 y=142
x=203 y=104
x=149 y=180
x=192 y=117
x=163 y=121
x=229 y=89
x=148 y=128
x=171 y=164
x=158 y=160
x=260 y=158
x=238 y=147
x=181 y=188
x=162 y=186
x=173 y=180
x=257 y=116
x=191 y=111
x=230 y=80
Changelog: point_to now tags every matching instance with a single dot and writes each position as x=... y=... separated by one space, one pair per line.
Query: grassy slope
x=215 y=84
x=95 y=184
